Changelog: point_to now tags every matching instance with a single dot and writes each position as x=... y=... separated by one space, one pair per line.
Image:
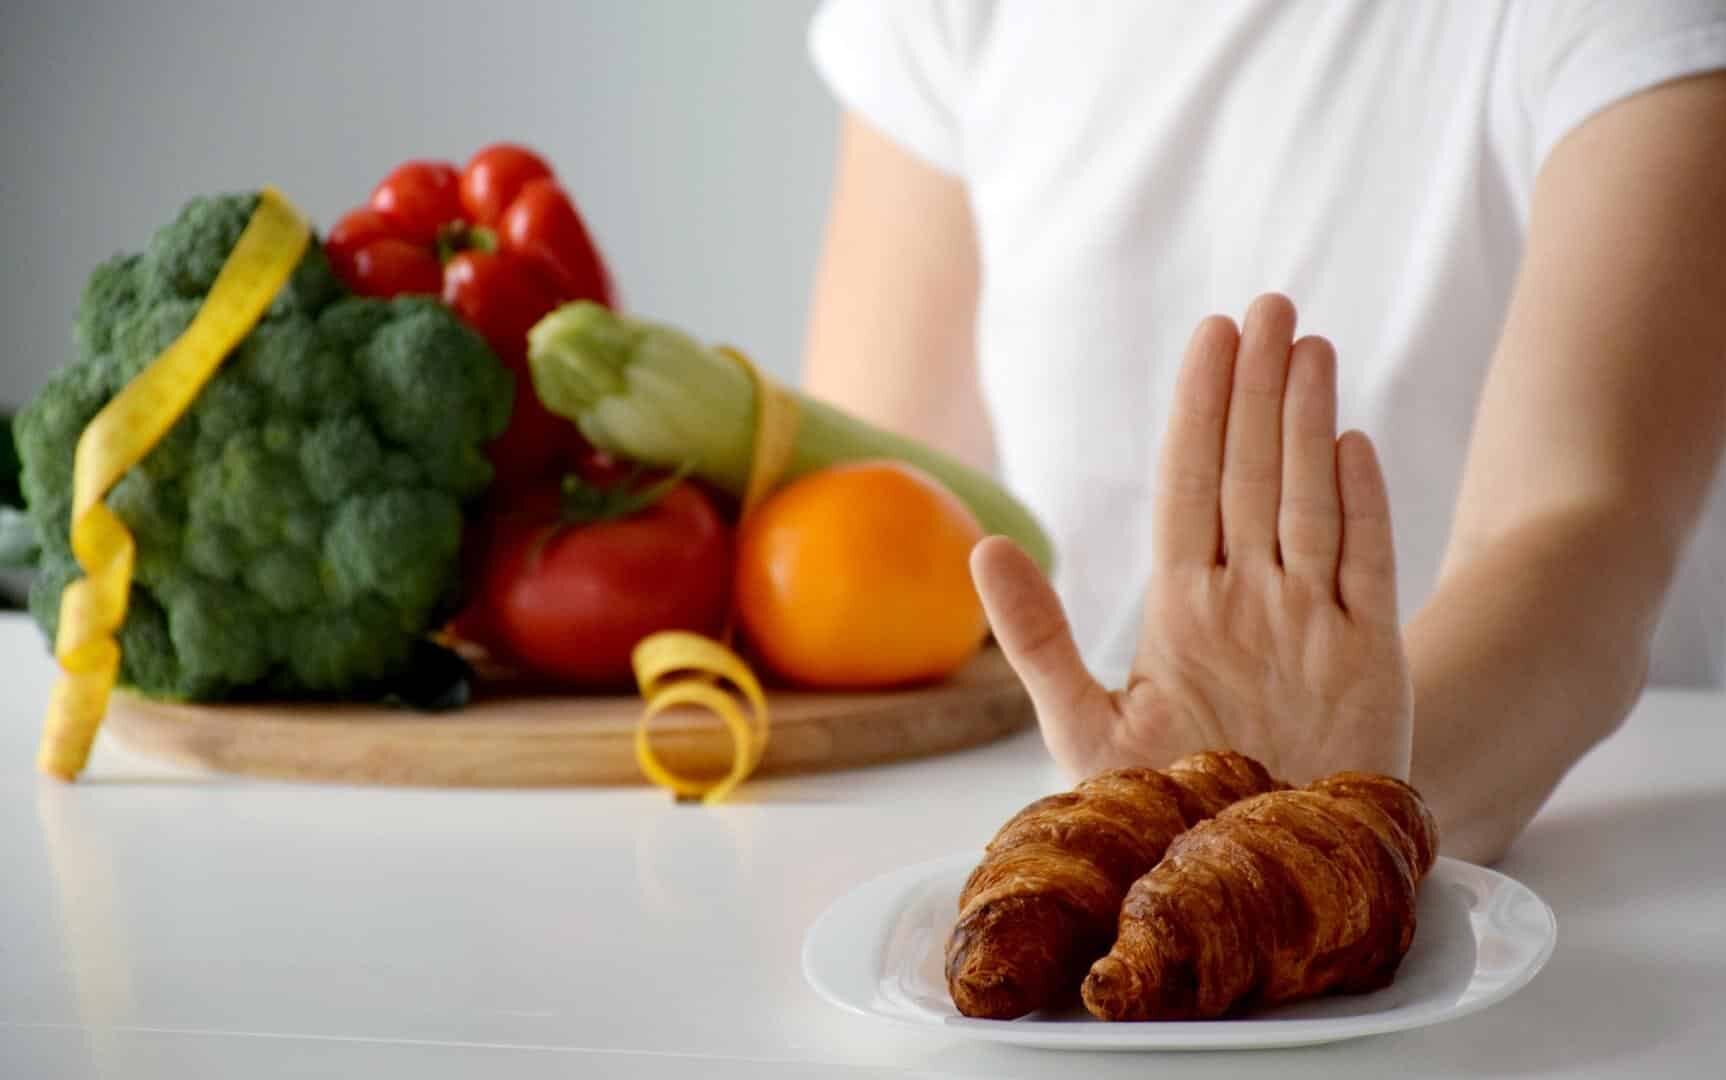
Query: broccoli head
x=299 y=527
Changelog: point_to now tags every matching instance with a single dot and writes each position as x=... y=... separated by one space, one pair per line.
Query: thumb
x=1027 y=619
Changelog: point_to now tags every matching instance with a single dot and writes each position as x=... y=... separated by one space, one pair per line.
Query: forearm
x=1597 y=438
x=890 y=322
x=1533 y=648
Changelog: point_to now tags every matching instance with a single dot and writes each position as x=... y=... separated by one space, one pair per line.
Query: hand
x=1270 y=622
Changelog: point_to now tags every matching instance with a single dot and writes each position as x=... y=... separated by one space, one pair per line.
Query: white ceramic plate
x=1481 y=937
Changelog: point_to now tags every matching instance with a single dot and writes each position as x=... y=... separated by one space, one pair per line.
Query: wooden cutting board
x=542 y=741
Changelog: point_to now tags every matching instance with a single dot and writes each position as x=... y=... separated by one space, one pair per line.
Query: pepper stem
x=455 y=237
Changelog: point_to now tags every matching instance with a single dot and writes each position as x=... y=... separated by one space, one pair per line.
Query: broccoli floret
x=365 y=532
x=299 y=527
x=109 y=295
x=417 y=363
x=297 y=364
x=186 y=254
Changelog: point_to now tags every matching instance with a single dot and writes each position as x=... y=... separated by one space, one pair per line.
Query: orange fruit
x=858 y=576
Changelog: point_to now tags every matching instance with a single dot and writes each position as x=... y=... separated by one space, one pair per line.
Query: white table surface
x=156 y=923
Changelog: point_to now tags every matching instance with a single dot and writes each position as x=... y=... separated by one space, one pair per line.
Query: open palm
x=1270 y=621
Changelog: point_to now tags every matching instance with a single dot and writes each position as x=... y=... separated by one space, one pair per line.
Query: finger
x=1366 y=572
x=1027 y=619
x=1189 y=523
x=1252 y=450
x=1309 y=515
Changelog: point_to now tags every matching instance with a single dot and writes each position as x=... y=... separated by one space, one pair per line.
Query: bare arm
x=891 y=324
x=1598 y=433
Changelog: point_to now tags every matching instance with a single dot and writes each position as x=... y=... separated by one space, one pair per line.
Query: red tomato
x=494 y=176
x=570 y=602
x=392 y=267
x=542 y=223
x=419 y=198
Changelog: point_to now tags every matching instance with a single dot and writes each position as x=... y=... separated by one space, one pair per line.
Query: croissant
x=1044 y=901
x=1279 y=897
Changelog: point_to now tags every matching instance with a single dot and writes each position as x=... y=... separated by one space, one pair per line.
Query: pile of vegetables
x=440 y=431
x=854 y=573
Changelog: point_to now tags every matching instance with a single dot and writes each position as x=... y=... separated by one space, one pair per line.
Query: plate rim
x=1170 y=1035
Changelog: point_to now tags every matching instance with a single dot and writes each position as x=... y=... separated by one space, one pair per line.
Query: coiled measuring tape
x=681 y=668
x=93 y=609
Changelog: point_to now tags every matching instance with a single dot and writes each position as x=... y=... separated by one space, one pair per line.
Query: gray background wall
x=693 y=134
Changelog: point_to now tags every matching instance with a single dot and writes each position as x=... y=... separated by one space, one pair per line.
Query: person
x=1508 y=219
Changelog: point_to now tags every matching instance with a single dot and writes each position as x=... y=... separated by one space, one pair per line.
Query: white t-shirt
x=1134 y=166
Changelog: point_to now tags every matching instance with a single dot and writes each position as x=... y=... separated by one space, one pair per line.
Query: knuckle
x=1310 y=425
x=1188 y=483
x=1373 y=514
x=1375 y=564
x=1252 y=473
x=1261 y=387
x=1202 y=409
x=1307 y=535
x=1312 y=594
x=1040 y=641
x=1308 y=507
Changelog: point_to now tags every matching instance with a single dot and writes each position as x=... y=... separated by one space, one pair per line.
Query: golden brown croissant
x=1280 y=897
x=1044 y=901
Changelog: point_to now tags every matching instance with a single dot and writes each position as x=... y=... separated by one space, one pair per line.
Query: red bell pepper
x=502 y=244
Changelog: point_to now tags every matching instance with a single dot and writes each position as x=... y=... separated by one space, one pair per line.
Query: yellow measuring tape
x=680 y=668
x=93 y=609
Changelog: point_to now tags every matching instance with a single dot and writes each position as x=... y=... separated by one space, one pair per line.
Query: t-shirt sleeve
x=895 y=64
x=1584 y=55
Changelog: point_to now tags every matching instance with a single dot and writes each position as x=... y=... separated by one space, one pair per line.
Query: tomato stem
x=585 y=503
